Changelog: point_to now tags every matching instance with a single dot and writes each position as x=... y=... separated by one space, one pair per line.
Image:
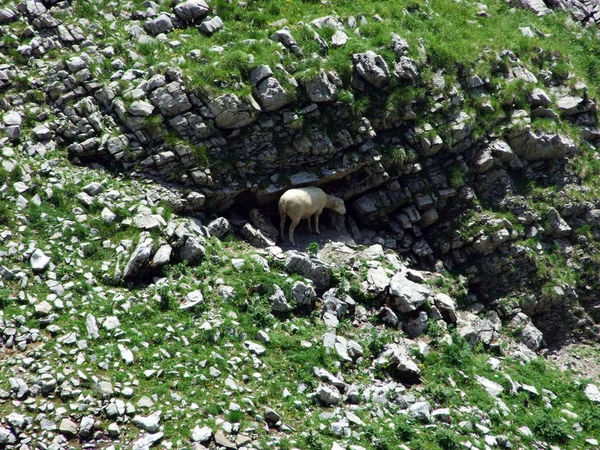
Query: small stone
x=592 y=392
x=149 y=423
x=201 y=434
x=39 y=261
x=68 y=427
x=192 y=299
x=42 y=309
x=104 y=389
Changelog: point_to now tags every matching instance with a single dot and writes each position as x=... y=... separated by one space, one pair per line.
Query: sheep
x=302 y=203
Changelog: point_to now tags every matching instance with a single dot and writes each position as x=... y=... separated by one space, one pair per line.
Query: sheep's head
x=337 y=204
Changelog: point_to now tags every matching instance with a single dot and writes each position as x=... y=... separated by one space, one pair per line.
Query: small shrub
x=550 y=428
x=456 y=178
x=459 y=353
x=313 y=249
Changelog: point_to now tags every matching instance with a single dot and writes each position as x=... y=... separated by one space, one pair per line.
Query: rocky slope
x=142 y=143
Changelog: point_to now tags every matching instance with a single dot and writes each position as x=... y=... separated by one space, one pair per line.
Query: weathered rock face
x=415 y=186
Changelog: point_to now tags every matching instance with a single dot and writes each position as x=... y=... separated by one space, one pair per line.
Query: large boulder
x=320 y=89
x=285 y=37
x=372 y=68
x=171 y=100
x=139 y=259
x=407 y=295
x=313 y=269
x=231 y=112
x=192 y=10
x=539 y=146
x=396 y=360
x=158 y=25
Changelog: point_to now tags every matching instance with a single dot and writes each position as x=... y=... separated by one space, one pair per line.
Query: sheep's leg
x=317 y=214
x=293 y=226
x=309 y=218
x=282 y=227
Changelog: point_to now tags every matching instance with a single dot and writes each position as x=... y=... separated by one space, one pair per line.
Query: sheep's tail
x=282 y=206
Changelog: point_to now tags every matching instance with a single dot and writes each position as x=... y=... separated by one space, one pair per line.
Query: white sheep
x=302 y=203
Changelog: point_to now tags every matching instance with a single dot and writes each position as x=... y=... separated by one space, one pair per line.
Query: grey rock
x=329 y=396
x=104 y=389
x=397 y=361
x=354 y=350
x=320 y=89
x=339 y=39
x=592 y=392
x=192 y=10
x=256 y=237
x=420 y=411
x=192 y=299
x=201 y=434
x=42 y=309
x=492 y=388
x=126 y=354
x=93 y=189
x=138 y=260
x=92 y=327
x=7 y=15
x=406 y=294
x=416 y=326
x=442 y=415
x=140 y=108
x=162 y=256
x=372 y=68
x=86 y=427
x=271 y=416
x=230 y=112
x=7 y=437
x=193 y=250
x=539 y=146
x=313 y=269
x=67 y=427
x=327 y=22
x=259 y=74
x=537 y=6
x=532 y=337
x=254 y=348
x=557 y=226
x=84 y=199
x=377 y=281
x=146 y=441
x=171 y=100
x=539 y=98
x=399 y=45
x=219 y=227
x=211 y=26
x=278 y=301
x=271 y=95
x=16 y=420
x=47 y=425
x=39 y=261
x=406 y=68
x=222 y=441
x=113 y=430
x=149 y=423
x=42 y=133
x=446 y=306
x=286 y=38
x=158 y=25
x=261 y=221
x=304 y=294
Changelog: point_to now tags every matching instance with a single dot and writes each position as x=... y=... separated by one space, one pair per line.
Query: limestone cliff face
x=442 y=167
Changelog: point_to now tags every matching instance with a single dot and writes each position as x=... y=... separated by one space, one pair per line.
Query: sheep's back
x=303 y=202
